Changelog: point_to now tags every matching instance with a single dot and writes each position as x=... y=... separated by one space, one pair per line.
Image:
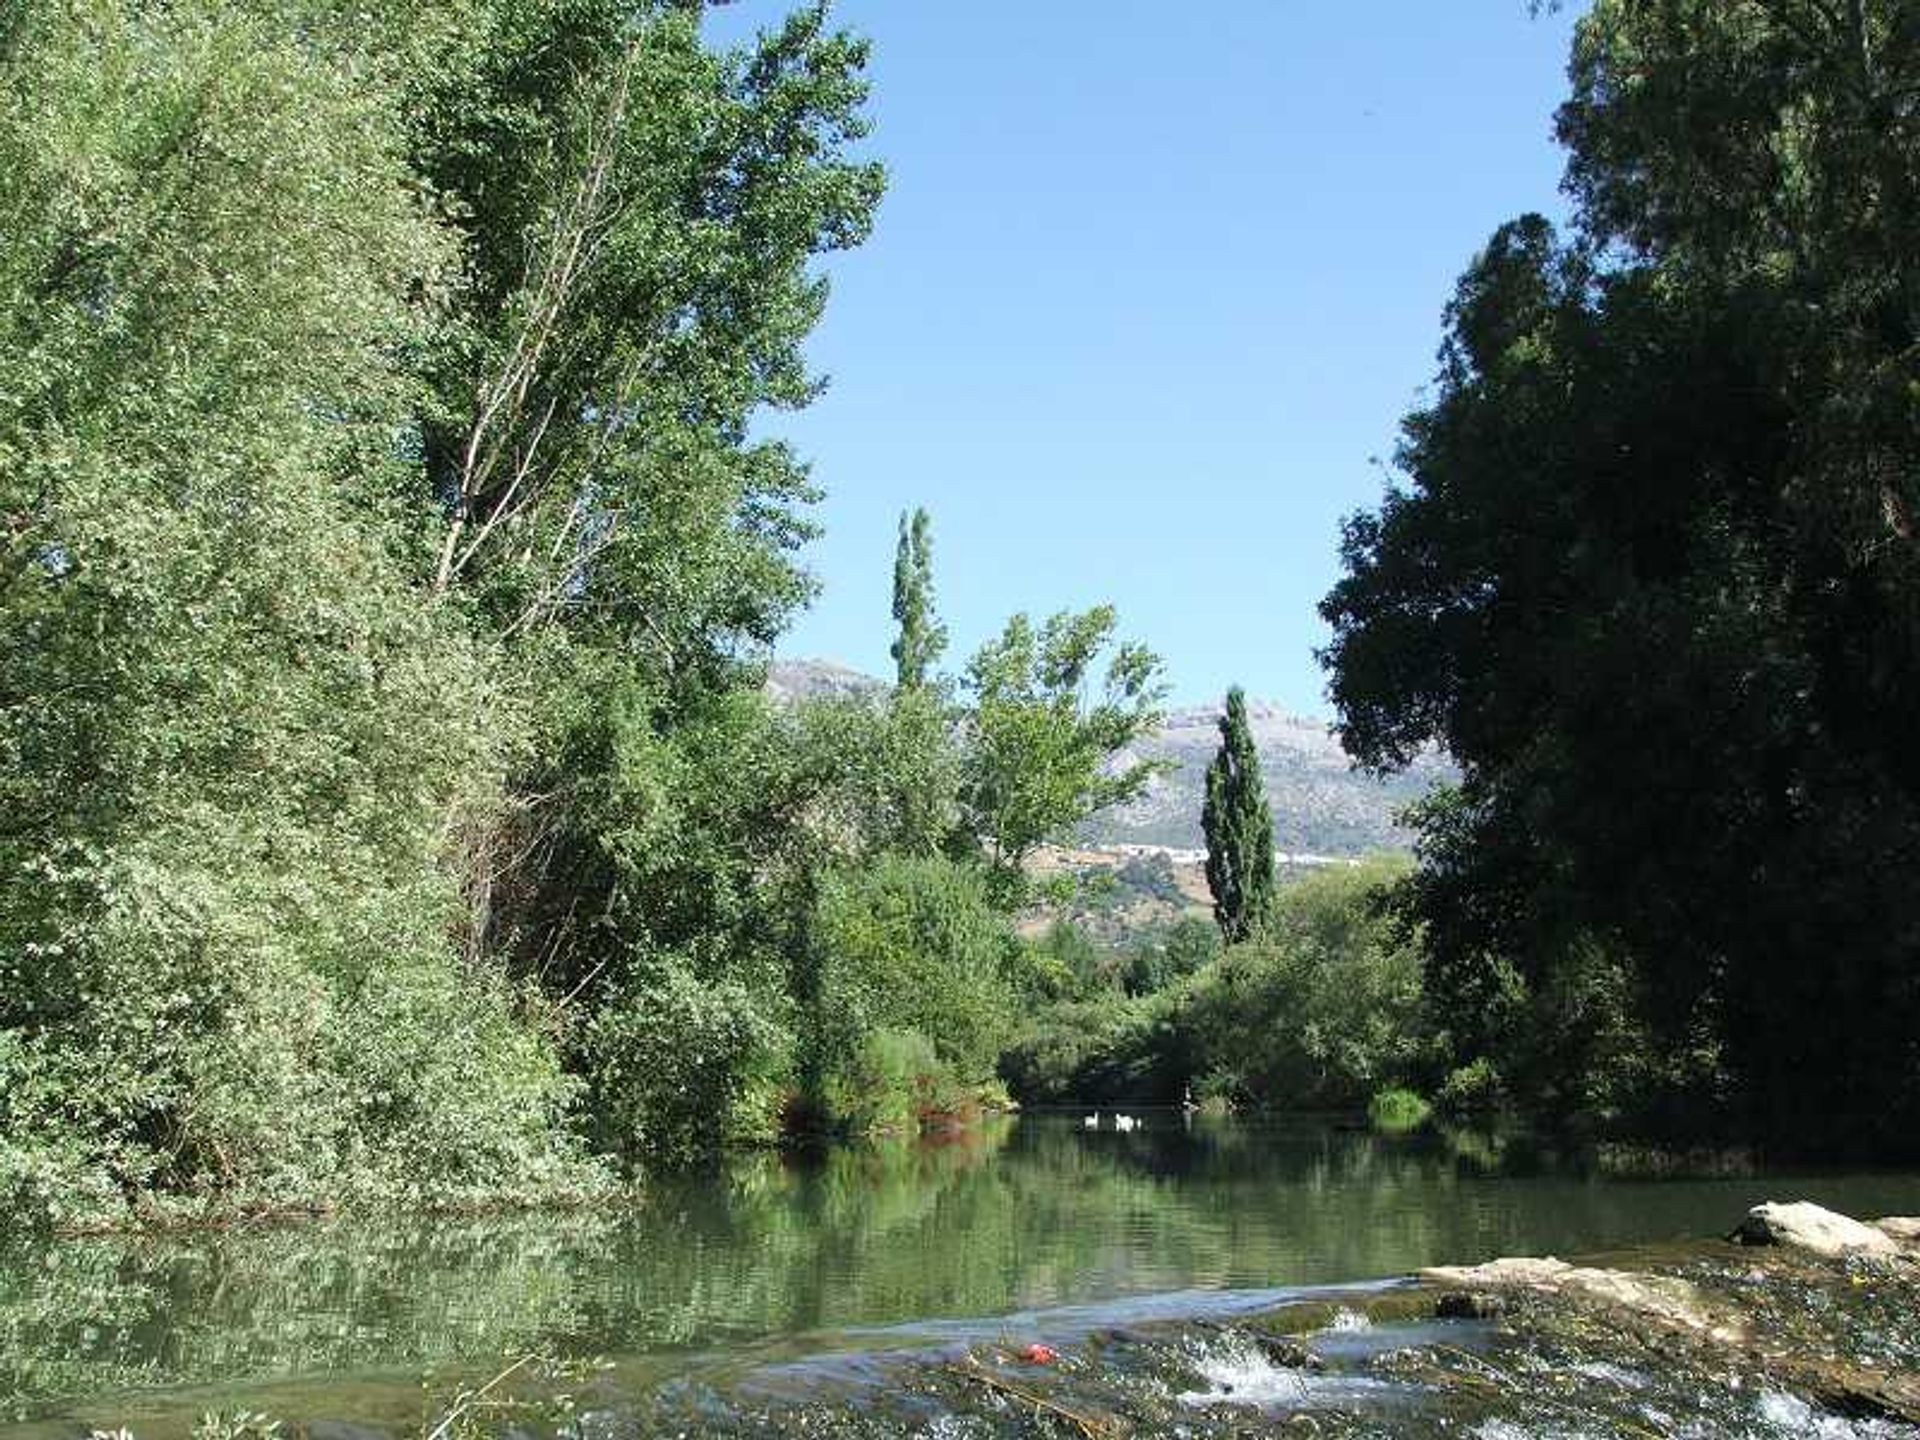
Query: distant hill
x=1321 y=805
x=817 y=679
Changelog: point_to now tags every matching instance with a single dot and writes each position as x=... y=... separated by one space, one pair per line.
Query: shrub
x=1397 y=1111
x=1471 y=1090
x=907 y=946
x=895 y=1083
x=1323 y=1008
x=1100 y=1052
x=678 y=1066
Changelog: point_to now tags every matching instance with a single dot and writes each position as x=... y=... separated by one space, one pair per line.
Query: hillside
x=1321 y=805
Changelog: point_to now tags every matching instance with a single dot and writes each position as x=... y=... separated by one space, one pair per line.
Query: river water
x=785 y=1268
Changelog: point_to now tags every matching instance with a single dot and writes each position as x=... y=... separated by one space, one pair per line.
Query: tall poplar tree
x=1239 y=828
x=922 y=638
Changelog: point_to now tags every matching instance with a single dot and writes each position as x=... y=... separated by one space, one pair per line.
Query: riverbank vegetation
x=1648 y=571
x=391 y=805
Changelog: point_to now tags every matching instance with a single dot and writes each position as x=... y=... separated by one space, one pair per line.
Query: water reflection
x=1015 y=1216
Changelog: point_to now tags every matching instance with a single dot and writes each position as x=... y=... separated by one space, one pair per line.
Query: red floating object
x=1037 y=1354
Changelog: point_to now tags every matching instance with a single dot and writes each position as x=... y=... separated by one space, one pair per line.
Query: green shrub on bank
x=1320 y=1010
x=1106 y=1051
x=1394 y=1112
x=1323 y=1007
x=677 y=1066
x=231 y=735
x=897 y=1084
x=910 y=954
x=1471 y=1091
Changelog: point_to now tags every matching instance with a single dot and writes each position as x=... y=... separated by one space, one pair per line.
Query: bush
x=1471 y=1091
x=896 y=1085
x=679 y=1065
x=1397 y=1111
x=1172 y=954
x=231 y=735
x=1323 y=1008
x=1064 y=963
x=907 y=946
x=1101 y=1052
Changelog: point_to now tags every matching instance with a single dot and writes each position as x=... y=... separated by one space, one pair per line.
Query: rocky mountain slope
x=1321 y=805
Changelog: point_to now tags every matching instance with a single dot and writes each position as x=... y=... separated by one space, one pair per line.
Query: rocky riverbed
x=1797 y=1323
x=1800 y=1323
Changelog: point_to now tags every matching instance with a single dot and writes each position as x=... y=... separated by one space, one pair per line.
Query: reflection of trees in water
x=87 y=1316
x=996 y=1219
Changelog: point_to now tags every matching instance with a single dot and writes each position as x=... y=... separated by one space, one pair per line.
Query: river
x=777 y=1271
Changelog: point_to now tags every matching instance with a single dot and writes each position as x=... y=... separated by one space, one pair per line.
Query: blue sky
x=1151 y=286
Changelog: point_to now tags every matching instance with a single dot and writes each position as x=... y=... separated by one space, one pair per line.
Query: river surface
x=784 y=1268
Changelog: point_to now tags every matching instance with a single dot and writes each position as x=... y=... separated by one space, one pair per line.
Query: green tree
x=1650 y=576
x=1239 y=828
x=231 y=737
x=921 y=639
x=1039 y=758
x=908 y=947
x=1322 y=1008
x=637 y=219
x=383 y=559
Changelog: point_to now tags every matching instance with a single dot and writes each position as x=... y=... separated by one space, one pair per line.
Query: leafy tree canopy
x=1650 y=572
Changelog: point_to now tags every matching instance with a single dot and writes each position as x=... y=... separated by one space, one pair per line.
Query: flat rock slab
x=1802 y=1225
x=1674 y=1304
x=1903 y=1228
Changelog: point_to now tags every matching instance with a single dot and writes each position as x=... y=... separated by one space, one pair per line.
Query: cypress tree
x=1239 y=828
x=921 y=639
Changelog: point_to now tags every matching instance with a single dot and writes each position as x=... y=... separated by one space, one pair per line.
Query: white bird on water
x=1092 y=1122
x=1124 y=1122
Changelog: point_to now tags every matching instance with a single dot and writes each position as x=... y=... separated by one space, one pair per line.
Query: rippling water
x=774 y=1262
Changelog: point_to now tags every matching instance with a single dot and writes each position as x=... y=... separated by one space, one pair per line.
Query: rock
x=1857 y=1391
x=1803 y=1225
x=1465 y=1305
x=1903 y=1228
x=1510 y=1274
x=1667 y=1302
x=1288 y=1354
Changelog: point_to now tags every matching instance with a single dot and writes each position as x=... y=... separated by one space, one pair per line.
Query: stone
x=1466 y=1305
x=1288 y=1354
x=1903 y=1228
x=1667 y=1302
x=1802 y=1225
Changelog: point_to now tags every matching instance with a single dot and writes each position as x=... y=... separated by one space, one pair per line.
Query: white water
x=1238 y=1373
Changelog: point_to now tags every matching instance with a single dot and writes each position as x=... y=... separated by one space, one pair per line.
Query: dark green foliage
x=905 y=947
x=1103 y=1051
x=1651 y=579
x=676 y=1065
x=1064 y=962
x=1323 y=1008
x=1239 y=829
x=1170 y=954
x=920 y=639
x=1321 y=1011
